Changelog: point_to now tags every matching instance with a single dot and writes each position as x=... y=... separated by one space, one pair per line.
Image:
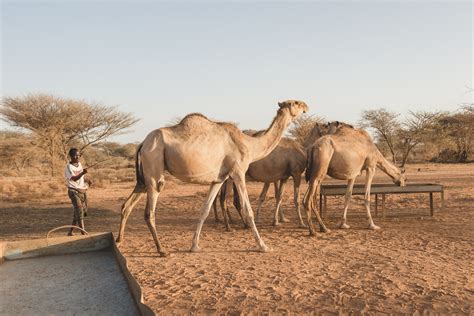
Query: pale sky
x=234 y=61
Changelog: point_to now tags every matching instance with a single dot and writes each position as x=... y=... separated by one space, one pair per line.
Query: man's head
x=74 y=154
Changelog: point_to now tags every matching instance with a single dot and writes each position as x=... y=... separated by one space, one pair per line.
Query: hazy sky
x=233 y=61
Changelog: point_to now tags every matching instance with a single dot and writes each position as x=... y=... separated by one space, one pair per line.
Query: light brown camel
x=198 y=150
x=344 y=155
x=287 y=160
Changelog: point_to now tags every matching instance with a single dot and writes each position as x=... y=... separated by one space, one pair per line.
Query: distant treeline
x=51 y=125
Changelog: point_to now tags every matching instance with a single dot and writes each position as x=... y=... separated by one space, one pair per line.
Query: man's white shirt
x=71 y=171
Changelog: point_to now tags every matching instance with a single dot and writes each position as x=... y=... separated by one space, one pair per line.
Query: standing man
x=76 y=188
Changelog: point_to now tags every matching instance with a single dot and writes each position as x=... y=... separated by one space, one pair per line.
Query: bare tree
x=301 y=127
x=386 y=126
x=59 y=122
x=416 y=129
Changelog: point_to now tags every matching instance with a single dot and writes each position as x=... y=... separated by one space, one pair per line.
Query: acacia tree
x=59 y=122
x=459 y=129
x=386 y=126
x=415 y=129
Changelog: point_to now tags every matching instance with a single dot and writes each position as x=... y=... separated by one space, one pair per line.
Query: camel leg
x=276 y=188
x=319 y=163
x=317 y=213
x=213 y=190
x=261 y=199
x=368 y=183
x=308 y=202
x=223 y=203
x=350 y=185
x=227 y=187
x=152 y=197
x=296 y=197
x=281 y=190
x=239 y=180
x=278 y=196
x=127 y=208
x=214 y=206
x=238 y=204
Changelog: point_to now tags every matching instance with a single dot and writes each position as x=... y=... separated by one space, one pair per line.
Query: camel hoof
x=163 y=253
x=302 y=225
x=230 y=230
x=195 y=249
x=265 y=248
x=374 y=227
x=284 y=220
x=325 y=230
x=344 y=226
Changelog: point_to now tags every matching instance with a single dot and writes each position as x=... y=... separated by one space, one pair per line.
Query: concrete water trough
x=67 y=276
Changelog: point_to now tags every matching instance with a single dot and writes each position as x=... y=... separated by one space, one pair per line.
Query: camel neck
x=388 y=168
x=260 y=146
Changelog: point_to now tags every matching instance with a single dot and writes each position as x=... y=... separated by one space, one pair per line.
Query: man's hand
x=84 y=171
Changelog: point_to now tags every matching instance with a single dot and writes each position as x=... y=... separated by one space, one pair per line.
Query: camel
x=344 y=155
x=287 y=160
x=198 y=150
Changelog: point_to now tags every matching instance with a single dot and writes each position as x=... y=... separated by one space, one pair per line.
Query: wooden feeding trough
x=382 y=189
x=67 y=275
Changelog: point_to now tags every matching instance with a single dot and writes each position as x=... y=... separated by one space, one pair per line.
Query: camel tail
x=309 y=165
x=139 y=171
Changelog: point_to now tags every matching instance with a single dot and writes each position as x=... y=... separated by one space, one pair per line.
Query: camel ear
x=402 y=170
x=281 y=104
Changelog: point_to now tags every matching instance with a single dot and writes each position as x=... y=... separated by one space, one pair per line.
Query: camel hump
x=193 y=117
x=194 y=122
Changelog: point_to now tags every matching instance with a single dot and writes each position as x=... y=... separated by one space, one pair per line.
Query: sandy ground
x=415 y=264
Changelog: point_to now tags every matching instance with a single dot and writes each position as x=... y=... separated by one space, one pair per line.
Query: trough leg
x=442 y=200
x=376 y=205
x=321 y=204
x=431 y=204
x=383 y=206
x=325 y=205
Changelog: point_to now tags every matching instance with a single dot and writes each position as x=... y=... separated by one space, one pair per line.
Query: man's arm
x=75 y=178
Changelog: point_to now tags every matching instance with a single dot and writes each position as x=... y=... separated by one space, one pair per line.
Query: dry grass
x=15 y=189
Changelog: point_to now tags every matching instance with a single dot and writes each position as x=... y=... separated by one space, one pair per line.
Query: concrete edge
x=133 y=284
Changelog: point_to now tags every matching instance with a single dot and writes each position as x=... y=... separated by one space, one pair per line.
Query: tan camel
x=287 y=160
x=198 y=150
x=344 y=155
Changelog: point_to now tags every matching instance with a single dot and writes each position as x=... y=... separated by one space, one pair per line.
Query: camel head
x=401 y=181
x=334 y=125
x=294 y=106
